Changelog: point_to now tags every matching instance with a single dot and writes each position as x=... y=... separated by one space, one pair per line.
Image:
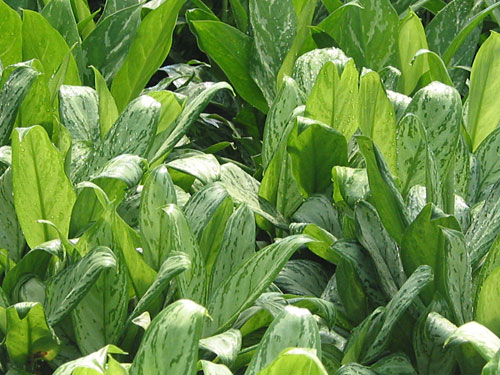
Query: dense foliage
x=252 y=187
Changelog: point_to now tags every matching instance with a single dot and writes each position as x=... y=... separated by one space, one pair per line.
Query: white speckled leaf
x=369 y=34
x=274 y=25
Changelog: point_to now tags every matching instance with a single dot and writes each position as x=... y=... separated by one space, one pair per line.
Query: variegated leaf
x=161 y=351
x=293 y=327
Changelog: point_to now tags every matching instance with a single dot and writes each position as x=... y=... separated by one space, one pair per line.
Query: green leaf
x=248 y=281
x=171 y=107
x=274 y=25
x=11 y=236
x=68 y=287
x=147 y=52
x=386 y=197
x=113 y=6
x=485 y=342
x=293 y=327
x=116 y=178
x=41 y=41
x=487 y=300
x=10 y=35
x=302 y=41
x=94 y=363
x=230 y=49
x=377 y=117
x=295 y=361
x=482 y=117
x=170 y=268
x=416 y=252
x=226 y=345
x=182 y=319
x=375 y=49
x=315 y=149
x=204 y=167
x=465 y=31
x=60 y=15
x=106 y=47
x=410 y=40
x=238 y=244
x=28 y=335
x=13 y=92
x=166 y=141
x=108 y=113
x=302 y=277
x=487 y=156
x=334 y=99
x=430 y=333
x=48 y=195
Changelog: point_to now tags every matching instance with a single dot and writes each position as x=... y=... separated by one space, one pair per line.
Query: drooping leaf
x=226 y=345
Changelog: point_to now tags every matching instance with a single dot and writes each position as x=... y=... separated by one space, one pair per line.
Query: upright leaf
x=374 y=49
x=386 y=197
x=377 y=117
x=315 y=149
x=334 y=99
x=13 y=92
x=41 y=41
x=10 y=35
x=230 y=49
x=293 y=327
x=147 y=52
x=482 y=117
x=67 y=288
x=28 y=335
x=42 y=189
x=107 y=45
x=161 y=351
x=273 y=26
x=248 y=281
